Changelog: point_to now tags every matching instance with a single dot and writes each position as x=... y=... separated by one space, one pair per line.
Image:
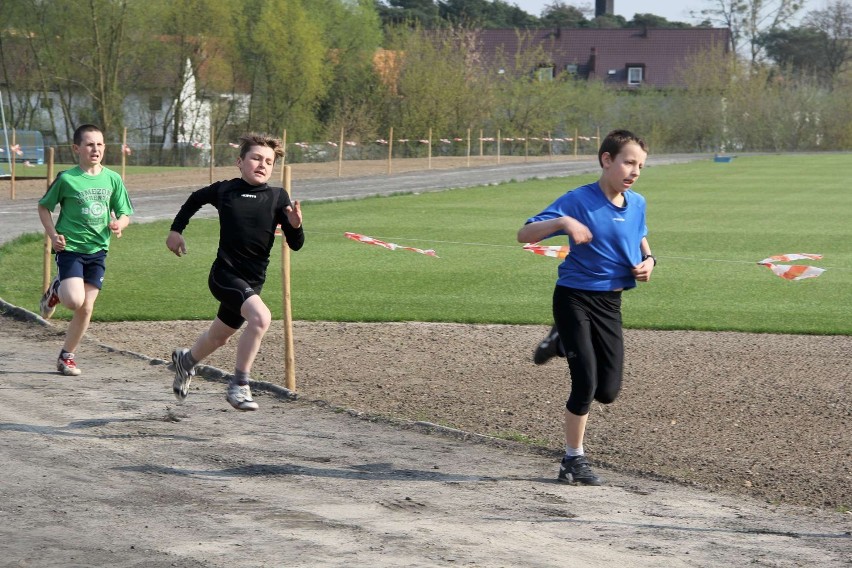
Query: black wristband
x=651 y=256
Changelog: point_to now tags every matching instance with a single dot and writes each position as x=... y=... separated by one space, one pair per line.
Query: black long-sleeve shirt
x=248 y=216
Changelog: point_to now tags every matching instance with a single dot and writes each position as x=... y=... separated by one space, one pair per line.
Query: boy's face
x=90 y=151
x=256 y=166
x=623 y=169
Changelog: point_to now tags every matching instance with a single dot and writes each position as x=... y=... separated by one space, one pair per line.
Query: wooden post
x=284 y=147
x=526 y=145
x=429 y=154
x=468 y=147
x=12 y=165
x=212 y=152
x=498 y=146
x=550 y=146
x=45 y=280
x=480 y=143
x=576 y=136
x=390 y=151
x=340 y=154
x=289 y=357
x=123 y=154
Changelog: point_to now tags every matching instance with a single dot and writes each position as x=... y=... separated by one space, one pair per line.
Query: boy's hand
x=115 y=228
x=176 y=243
x=58 y=242
x=642 y=271
x=294 y=214
x=579 y=233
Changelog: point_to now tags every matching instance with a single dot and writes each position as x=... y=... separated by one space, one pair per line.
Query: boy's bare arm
x=46 y=218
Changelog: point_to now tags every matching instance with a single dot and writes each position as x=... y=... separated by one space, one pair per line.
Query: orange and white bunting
x=547 y=250
x=390 y=246
x=793 y=271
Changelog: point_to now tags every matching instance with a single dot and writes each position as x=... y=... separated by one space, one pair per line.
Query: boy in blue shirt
x=605 y=224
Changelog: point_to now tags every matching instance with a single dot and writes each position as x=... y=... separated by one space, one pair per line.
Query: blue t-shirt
x=606 y=262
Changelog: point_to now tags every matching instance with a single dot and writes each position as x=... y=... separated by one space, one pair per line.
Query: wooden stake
x=123 y=155
x=429 y=154
x=12 y=164
x=498 y=146
x=390 y=151
x=340 y=154
x=289 y=357
x=468 y=147
x=45 y=280
x=212 y=152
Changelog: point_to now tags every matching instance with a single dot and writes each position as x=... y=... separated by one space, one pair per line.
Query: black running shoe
x=577 y=470
x=548 y=348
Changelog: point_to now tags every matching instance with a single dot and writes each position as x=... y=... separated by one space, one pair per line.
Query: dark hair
x=616 y=140
x=78 y=134
x=254 y=139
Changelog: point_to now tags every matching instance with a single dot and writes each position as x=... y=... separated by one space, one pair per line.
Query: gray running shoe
x=240 y=397
x=49 y=299
x=183 y=373
x=67 y=366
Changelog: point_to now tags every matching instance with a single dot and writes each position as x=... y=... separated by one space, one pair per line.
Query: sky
x=672 y=10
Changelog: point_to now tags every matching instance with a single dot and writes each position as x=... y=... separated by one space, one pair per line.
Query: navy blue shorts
x=90 y=267
x=231 y=291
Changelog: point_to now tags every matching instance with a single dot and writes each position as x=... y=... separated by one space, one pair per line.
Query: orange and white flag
x=547 y=250
x=793 y=271
x=390 y=246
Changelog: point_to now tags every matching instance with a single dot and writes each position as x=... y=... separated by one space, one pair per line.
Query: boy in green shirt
x=88 y=195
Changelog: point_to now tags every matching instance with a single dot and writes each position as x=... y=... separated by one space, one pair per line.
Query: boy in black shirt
x=249 y=211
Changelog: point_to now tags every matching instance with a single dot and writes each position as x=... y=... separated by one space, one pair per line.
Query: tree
x=835 y=25
x=748 y=19
x=558 y=14
x=284 y=55
x=352 y=31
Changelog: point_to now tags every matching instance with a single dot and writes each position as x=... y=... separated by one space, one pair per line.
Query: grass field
x=709 y=225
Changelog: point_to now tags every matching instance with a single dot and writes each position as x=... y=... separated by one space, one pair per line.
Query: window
x=635 y=75
x=155 y=103
x=544 y=73
x=571 y=68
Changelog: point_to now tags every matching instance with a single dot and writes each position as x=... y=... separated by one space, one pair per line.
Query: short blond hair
x=255 y=139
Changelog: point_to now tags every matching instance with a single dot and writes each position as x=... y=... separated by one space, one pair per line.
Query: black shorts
x=231 y=291
x=590 y=328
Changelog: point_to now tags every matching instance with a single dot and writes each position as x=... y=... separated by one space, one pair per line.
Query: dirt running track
x=107 y=470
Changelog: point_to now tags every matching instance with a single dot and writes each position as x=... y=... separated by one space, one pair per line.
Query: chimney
x=604 y=8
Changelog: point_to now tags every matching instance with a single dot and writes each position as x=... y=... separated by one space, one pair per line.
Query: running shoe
x=67 y=366
x=183 y=373
x=548 y=348
x=49 y=299
x=239 y=396
x=577 y=470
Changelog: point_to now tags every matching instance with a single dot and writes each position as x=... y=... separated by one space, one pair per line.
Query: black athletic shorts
x=231 y=291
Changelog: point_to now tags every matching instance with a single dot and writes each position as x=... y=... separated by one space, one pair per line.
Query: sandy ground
x=106 y=469
x=760 y=419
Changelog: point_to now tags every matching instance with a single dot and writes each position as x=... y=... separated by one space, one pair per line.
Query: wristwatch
x=651 y=256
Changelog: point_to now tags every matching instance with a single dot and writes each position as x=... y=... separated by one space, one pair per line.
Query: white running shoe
x=240 y=397
x=49 y=299
x=67 y=366
x=183 y=373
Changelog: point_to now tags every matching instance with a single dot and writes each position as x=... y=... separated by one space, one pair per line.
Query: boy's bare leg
x=215 y=337
x=79 y=297
x=258 y=318
x=575 y=429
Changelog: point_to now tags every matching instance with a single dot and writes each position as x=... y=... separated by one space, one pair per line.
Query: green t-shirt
x=85 y=204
